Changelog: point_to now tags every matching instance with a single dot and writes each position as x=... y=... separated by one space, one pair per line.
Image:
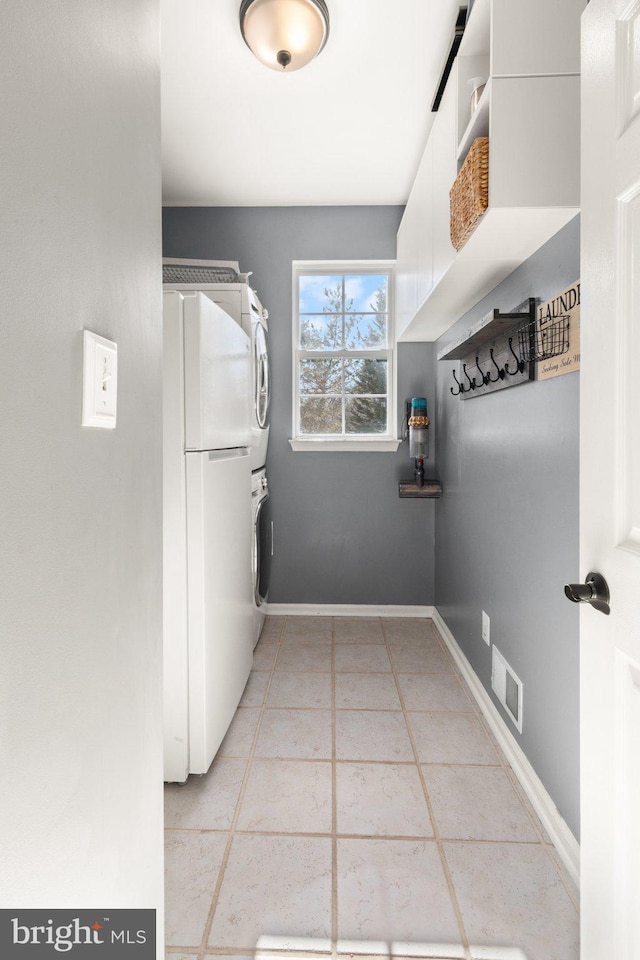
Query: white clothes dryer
x=262 y=552
x=222 y=282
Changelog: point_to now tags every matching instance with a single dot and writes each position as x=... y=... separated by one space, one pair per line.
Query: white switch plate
x=99 y=381
x=486 y=628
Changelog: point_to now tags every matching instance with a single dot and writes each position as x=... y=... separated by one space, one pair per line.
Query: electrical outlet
x=486 y=628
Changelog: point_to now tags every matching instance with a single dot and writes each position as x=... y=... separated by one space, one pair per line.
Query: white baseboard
x=566 y=844
x=345 y=610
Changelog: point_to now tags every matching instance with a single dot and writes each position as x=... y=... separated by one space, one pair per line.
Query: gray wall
x=342 y=535
x=507 y=530
x=80 y=508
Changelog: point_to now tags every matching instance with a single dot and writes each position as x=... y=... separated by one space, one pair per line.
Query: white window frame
x=381 y=443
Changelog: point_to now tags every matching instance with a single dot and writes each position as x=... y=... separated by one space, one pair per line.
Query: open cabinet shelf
x=478 y=125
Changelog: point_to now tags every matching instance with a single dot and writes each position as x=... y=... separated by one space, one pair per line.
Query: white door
x=610 y=479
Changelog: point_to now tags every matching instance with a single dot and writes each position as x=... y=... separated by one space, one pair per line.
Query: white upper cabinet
x=407 y=267
x=445 y=170
x=539 y=38
x=528 y=53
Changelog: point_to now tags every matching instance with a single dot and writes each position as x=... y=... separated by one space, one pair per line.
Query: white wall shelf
x=504 y=239
x=530 y=110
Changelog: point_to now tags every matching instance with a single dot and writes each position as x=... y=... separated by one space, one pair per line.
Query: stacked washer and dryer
x=222 y=282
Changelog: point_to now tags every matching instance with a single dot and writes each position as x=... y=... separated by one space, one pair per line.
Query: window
x=343 y=356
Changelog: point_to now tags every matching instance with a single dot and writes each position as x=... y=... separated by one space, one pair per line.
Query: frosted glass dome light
x=284 y=34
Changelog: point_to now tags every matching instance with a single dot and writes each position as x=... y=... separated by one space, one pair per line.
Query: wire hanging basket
x=536 y=342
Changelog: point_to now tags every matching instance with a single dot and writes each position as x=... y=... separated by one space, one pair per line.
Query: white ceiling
x=347 y=129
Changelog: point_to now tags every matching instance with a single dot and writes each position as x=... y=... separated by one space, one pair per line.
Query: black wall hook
x=499 y=370
x=456 y=393
x=472 y=383
x=485 y=376
x=519 y=363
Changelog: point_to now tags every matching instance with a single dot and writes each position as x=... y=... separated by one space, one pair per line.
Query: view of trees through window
x=343 y=357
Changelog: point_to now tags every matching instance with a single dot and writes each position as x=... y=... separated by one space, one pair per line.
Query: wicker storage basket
x=469 y=195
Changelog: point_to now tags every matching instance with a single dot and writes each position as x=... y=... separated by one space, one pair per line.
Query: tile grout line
x=363 y=673
x=573 y=897
x=201 y=954
x=340 y=762
x=531 y=815
x=436 y=832
x=413 y=838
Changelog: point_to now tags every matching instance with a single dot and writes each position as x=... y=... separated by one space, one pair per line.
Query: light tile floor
x=359 y=805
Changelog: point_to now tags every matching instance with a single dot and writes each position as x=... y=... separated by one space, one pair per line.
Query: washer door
x=264 y=549
x=261 y=376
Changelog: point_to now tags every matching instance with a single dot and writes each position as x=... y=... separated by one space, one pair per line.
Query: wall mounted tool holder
x=489 y=353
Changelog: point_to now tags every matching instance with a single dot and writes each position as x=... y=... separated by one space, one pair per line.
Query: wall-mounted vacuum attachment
x=417 y=432
x=418 y=423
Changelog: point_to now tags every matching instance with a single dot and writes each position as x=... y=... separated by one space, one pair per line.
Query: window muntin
x=343 y=362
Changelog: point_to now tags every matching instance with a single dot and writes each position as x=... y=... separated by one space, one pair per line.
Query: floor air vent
x=507 y=688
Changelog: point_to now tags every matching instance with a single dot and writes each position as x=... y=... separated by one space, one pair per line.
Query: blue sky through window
x=359 y=288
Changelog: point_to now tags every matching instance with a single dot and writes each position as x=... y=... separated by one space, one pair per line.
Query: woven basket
x=469 y=195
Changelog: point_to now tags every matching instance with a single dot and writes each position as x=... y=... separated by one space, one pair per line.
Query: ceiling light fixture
x=284 y=34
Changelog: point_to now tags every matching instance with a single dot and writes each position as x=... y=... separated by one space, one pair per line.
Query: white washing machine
x=223 y=283
x=262 y=548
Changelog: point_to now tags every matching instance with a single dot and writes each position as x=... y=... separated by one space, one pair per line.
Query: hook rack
x=494 y=348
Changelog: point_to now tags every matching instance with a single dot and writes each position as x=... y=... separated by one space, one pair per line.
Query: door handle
x=594 y=590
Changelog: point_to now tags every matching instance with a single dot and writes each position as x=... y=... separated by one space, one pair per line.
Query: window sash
x=383 y=352
x=343 y=398
x=377 y=354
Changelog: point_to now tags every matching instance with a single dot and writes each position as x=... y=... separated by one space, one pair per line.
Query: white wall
x=80 y=509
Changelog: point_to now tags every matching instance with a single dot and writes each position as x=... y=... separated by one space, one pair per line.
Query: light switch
x=100 y=381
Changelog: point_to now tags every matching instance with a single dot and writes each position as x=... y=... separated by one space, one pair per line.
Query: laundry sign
x=558 y=321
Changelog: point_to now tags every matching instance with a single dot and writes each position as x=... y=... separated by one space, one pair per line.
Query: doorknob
x=594 y=591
